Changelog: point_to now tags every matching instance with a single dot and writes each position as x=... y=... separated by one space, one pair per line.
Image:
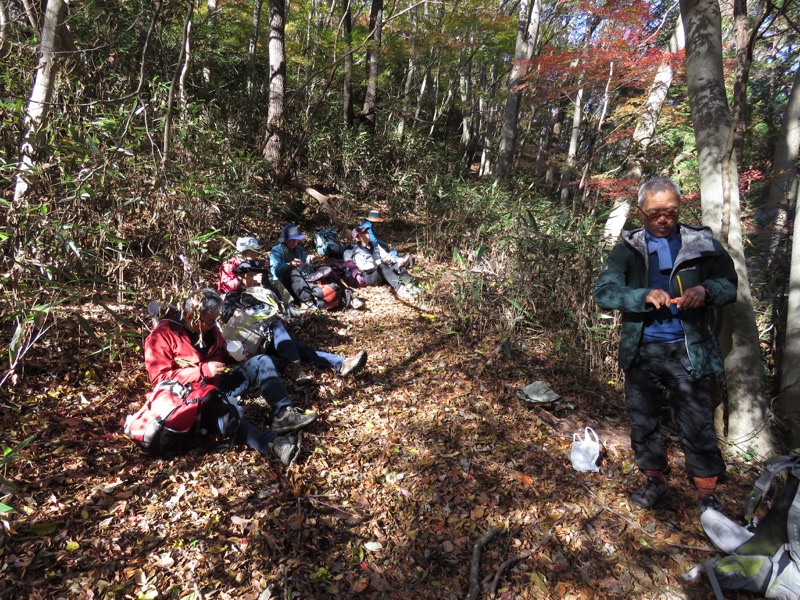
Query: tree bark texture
x=373 y=54
x=273 y=149
x=711 y=118
x=738 y=335
x=38 y=106
x=527 y=36
x=783 y=195
x=348 y=114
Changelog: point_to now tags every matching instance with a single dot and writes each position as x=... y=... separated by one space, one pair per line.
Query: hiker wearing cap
x=287 y=351
x=191 y=349
x=380 y=267
x=374 y=216
x=665 y=278
x=288 y=254
x=247 y=248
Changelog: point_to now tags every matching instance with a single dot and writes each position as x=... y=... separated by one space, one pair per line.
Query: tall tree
x=711 y=118
x=373 y=54
x=645 y=129
x=273 y=149
x=783 y=196
x=527 y=36
x=38 y=106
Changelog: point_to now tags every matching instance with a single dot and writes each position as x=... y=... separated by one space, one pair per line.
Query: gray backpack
x=764 y=556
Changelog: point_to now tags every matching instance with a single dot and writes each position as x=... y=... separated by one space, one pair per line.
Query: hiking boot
x=292 y=419
x=650 y=493
x=284 y=447
x=353 y=363
x=298 y=374
x=295 y=313
x=710 y=501
x=407 y=292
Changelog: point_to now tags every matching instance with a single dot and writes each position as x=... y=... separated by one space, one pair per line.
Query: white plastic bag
x=585 y=452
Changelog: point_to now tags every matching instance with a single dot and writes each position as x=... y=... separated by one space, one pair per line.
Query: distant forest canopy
x=133 y=131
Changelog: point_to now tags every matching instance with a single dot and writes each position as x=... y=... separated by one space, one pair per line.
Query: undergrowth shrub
x=523 y=272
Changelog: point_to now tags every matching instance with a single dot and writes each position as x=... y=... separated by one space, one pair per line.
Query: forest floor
x=410 y=464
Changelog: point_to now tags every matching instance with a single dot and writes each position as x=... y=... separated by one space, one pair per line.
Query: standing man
x=665 y=278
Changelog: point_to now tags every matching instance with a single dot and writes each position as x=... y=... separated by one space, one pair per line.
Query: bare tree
x=38 y=107
x=527 y=37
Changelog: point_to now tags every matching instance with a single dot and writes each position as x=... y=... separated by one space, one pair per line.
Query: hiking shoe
x=298 y=374
x=650 y=493
x=284 y=447
x=292 y=419
x=357 y=303
x=407 y=292
x=353 y=363
x=710 y=501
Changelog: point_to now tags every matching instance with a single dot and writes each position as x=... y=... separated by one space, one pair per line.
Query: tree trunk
x=173 y=89
x=252 y=48
x=273 y=149
x=4 y=43
x=783 y=194
x=373 y=52
x=347 y=83
x=645 y=129
x=577 y=119
x=648 y=119
x=38 y=106
x=747 y=410
x=212 y=40
x=527 y=36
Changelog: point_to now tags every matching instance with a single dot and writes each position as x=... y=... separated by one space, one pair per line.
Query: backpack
x=252 y=324
x=327 y=243
x=317 y=288
x=348 y=272
x=764 y=556
x=166 y=422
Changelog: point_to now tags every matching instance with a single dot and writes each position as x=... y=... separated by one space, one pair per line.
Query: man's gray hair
x=658 y=184
x=204 y=300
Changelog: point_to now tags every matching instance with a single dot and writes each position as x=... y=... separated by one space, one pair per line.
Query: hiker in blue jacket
x=288 y=254
x=665 y=278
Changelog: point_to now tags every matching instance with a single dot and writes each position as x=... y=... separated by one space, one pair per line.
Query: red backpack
x=166 y=422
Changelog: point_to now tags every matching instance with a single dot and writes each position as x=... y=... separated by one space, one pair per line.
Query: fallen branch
x=507 y=564
x=323 y=199
x=474 y=572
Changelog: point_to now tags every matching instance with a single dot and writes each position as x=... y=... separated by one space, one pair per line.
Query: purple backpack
x=349 y=273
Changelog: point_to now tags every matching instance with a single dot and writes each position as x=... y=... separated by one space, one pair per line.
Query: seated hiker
x=191 y=349
x=279 y=343
x=374 y=216
x=246 y=249
x=288 y=254
x=380 y=267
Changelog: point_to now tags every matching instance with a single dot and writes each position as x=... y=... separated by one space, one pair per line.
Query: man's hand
x=657 y=298
x=311 y=258
x=215 y=368
x=694 y=297
x=296 y=263
x=388 y=260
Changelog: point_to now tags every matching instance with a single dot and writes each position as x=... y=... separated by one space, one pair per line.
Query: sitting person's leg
x=374 y=278
x=260 y=371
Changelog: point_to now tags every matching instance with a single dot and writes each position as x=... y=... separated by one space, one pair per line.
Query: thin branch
x=475 y=569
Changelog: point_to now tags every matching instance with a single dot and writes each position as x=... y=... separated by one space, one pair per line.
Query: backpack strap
x=712 y=577
x=793 y=525
x=765 y=480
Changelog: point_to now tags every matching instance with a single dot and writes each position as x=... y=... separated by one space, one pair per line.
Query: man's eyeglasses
x=655 y=215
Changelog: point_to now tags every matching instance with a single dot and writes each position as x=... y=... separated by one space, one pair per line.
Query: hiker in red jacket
x=192 y=349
